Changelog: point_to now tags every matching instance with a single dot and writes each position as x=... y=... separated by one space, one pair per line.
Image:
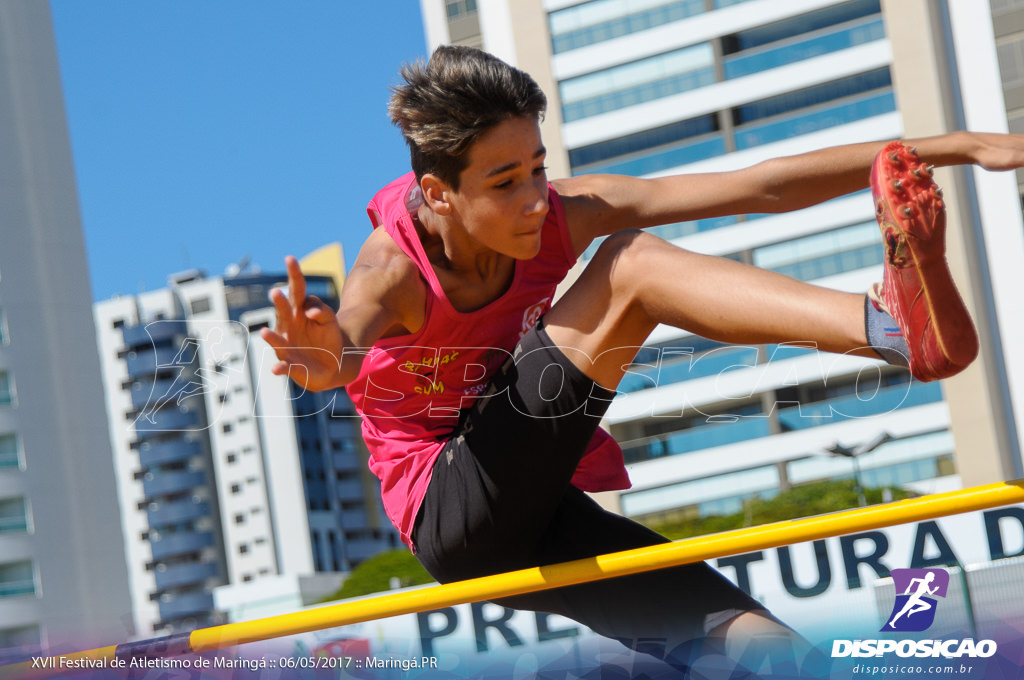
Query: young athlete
x=481 y=396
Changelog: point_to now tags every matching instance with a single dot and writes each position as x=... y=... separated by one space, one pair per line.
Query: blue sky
x=205 y=131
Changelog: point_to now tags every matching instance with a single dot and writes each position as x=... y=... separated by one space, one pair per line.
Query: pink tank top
x=411 y=388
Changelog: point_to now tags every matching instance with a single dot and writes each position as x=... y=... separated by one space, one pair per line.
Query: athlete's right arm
x=383 y=296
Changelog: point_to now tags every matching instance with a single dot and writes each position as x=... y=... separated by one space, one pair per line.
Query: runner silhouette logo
x=916 y=590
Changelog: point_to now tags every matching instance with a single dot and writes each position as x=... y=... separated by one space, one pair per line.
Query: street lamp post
x=854 y=453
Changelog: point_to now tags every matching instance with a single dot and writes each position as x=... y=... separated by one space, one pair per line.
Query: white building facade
x=226 y=473
x=62 y=568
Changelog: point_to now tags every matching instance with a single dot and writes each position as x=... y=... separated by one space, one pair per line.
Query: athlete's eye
x=541 y=170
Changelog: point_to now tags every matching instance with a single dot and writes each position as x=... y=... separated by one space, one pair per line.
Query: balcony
x=181 y=544
x=349 y=490
x=355 y=519
x=186 y=605
x=168 y=452
x=166 y=421
x=166 y=483
x=166 y=391
x=346 y=461
x=155 y=333
x=184 y=574
x=180 y=512
x=146 y=361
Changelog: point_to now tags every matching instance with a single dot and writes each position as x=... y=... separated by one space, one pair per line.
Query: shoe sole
x=912 y=217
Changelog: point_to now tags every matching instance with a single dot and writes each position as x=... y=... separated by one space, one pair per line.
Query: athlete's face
x=502 y=199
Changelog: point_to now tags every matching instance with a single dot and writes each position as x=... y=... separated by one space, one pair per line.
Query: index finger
x=296 y=283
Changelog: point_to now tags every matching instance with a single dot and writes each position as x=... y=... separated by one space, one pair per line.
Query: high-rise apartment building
x=653 y=87
x=226 y=473
x=62 y=567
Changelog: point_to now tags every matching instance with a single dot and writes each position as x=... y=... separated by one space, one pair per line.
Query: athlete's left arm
x=597 y=205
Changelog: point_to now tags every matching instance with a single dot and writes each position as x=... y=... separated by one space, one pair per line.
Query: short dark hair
x=445 y=105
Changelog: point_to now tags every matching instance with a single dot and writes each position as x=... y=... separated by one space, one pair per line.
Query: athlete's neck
x=450 y=247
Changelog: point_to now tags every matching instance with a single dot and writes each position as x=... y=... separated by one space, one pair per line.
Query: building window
x=10 y=451
x=200 y=305
x=240 y=518
x=637 y=82
x=602 y=20
x=21 y=637
x=226 y=428
x=236 y=488
x=13 y=516
x=823 y=254
x=6 y=389
x=4 y=338
x=243 y=549
x=17 y=579
x=458 y=8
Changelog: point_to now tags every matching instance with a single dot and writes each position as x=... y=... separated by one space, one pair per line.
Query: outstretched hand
x=994 y=151
x=306 y=337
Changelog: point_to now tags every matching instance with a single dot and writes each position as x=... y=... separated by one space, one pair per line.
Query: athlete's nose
x=538 y=203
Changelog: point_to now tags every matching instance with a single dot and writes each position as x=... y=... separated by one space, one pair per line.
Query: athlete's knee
x=627 y=256
x=624 y=242
x=627 y=249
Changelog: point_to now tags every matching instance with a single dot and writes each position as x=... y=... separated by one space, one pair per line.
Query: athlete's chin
x=527 y=248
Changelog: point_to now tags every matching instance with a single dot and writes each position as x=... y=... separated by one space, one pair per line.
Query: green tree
x=375 y=574
x=806 y=500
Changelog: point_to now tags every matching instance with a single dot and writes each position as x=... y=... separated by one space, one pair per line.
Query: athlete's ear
x=435 y=194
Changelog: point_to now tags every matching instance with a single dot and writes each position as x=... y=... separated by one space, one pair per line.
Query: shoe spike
x=894 y=157
x=907 y=211
x=897 y=184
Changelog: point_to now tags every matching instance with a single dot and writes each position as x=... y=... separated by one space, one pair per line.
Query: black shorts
x=500 y=499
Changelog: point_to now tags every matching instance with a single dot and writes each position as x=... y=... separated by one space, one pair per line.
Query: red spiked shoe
x=918 y=289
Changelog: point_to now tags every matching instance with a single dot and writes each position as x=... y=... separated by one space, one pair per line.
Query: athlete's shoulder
x=384 y=291
x=381 y=256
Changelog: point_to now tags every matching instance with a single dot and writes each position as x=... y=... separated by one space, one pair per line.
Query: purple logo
x=914 y=610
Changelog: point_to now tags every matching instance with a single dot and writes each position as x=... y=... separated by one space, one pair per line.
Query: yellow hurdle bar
x=612 y=565
x=567 y=573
